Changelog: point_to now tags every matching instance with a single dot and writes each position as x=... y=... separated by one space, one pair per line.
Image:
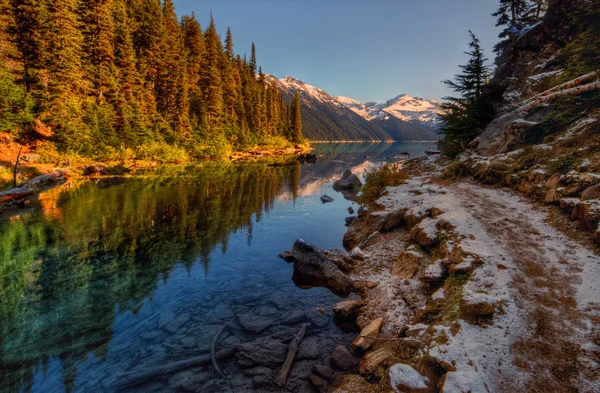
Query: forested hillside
x=130 y=77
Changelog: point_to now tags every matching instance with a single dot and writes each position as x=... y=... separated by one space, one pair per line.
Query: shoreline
x=439 y=279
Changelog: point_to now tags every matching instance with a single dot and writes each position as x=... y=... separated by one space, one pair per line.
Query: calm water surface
x=103 y=279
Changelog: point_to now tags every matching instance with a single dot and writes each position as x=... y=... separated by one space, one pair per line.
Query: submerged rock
x=326 y=199
x=348 y=181
x=342 y=359
x=313 y=268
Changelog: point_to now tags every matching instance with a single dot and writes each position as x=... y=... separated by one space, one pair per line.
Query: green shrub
x=161 y=152
x=377 y=179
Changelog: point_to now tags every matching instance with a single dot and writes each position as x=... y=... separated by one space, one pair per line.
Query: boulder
x=340 y=258
x=342 y=359
x=264 y=351
x=361 y=228
x=551 y=196
x=588 y=212
x=435 y=271
x=363 y=342
x=592 y=192
x=405 y=379
x=477 y=305
x=313 y=268
x=407 y=264
x=319 y=382
x=348 y=181
x=176 y=323
x=568 y=204
x=349 y=220
x=254 y=323
x=466 y=266
x=350 y=210
x=346 y=313
x=326 y=199
x=553 y=181
x=352 y=383
x=426 y=232
x=374 y=363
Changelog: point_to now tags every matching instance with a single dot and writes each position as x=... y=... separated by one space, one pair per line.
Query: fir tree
x=512 y=14
x=296 y=120
x=465 y=116
x=210 y=81
x=253 y=59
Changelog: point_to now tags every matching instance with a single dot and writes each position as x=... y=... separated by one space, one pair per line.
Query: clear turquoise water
x=87 y=273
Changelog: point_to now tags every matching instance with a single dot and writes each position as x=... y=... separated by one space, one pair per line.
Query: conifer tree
x=296 y=120
x=465 y=116
x=26 y=34
x=512 y=14
x=253 y=59
x=210 y=81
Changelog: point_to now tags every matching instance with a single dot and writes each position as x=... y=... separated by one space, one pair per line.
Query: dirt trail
x=554 y=291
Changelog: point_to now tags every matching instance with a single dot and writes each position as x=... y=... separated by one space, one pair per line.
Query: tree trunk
x=289 y=360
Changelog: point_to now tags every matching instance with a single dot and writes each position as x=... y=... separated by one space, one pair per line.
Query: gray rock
x=313 y=268
x=349 y=220
x=254 y=323
x=188 y=342
x=342 y=359
x=323 y=371
x=309 y=349
x=592 y=192
x=348 y=181
x=295 y=317
x=326 y=198
x=175 y=324
x=350 y=210
x=264 y=351
x=317 y=319
x=189 y=380
x=164 y=318
x=245 y=299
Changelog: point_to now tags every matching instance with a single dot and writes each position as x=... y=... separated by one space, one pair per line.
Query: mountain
x=403 y=107
x=327 y=118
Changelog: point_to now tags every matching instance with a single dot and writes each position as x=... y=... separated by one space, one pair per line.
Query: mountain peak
x=403 y=107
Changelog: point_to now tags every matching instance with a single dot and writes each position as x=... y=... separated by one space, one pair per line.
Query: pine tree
x=512 y=14
x=25 y=30
x=98 y=46
x=296 y=120
x=253 y=60
x=196 y=52
x=465 y=116
x=210 y=80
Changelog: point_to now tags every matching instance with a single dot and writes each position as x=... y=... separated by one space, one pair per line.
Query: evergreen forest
x=129 y=78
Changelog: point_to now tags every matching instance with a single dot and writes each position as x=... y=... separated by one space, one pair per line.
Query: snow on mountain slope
x=402 y=107
x=341 y=118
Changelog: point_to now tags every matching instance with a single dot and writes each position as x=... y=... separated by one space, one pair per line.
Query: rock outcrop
x=313 y=268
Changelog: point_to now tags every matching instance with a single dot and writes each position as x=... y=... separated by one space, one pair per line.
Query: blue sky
x=368 y=50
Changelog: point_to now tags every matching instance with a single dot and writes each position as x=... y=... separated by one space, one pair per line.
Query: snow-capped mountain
x=327 y=118
x=403 y=107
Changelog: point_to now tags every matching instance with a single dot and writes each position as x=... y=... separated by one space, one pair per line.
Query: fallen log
x=47 y=178
x=567 y=85
x=15 y=193
x=289 y=360
x=137 y=377
x=212 y=352
x=574 y=91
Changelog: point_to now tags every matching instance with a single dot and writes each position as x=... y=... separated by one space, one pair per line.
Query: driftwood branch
x=137 y=377
x=17 y=167
x=212 y=352
x=289 y=360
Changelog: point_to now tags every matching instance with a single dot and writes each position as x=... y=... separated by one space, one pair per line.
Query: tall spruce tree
x=296 y=120
x=513 y=15
x=465 y=116
x=210 y=81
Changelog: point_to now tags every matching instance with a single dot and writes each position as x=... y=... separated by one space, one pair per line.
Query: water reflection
x=89 y=272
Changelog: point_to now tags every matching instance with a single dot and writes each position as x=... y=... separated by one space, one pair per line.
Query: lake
x=100 y=279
